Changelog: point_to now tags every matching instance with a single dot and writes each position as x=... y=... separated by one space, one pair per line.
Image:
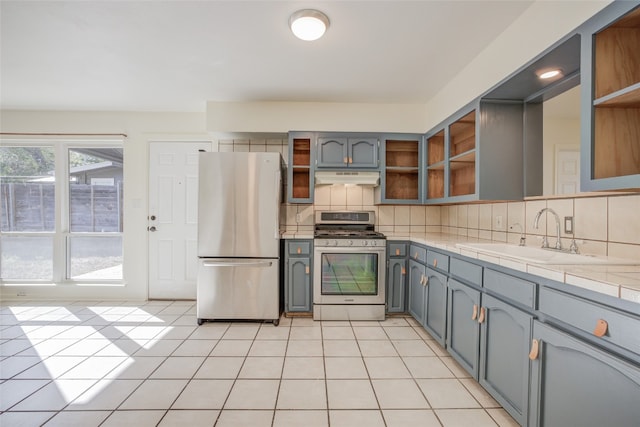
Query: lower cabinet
x=417 y=277
x=504 y=349
x=298 y=277
x=396 y=285
x=575 y=384
x=463 y=329
x=435 y=317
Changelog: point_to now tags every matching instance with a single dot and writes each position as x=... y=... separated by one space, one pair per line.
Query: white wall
x=557 y=133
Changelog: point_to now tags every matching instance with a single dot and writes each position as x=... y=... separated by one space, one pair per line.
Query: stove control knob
x=365 y=243
x=326 y=243
x=350 y=242
x=335 y=243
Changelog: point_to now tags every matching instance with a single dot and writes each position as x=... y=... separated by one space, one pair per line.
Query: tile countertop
x=621 y=281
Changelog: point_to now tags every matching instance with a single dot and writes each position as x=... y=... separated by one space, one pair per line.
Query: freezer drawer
x=238 y=289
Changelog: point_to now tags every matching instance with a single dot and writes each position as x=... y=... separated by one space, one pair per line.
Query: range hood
x=347 y=177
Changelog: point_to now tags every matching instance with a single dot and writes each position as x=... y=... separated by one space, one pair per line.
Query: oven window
x=349 y=274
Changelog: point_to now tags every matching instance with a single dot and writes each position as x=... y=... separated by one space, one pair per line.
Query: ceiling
x=176 y=55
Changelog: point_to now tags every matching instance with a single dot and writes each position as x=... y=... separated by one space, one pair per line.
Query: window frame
x=62 y=234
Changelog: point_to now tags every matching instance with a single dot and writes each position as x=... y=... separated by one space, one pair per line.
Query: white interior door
x=173 y=218
x=567 y=171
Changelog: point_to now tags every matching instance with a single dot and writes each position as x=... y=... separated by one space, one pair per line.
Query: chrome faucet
x=545 y=242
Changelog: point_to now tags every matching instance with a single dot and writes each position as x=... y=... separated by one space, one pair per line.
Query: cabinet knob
x=306 y=270
x=601 y=328
x=483 y=312
x=397 y=251
x=535 y=348
x=346 y=160
x=403 y=271
x=474 y=315
x=299 y=250
x=435 y=262
x=350 y=160
x=415 y=255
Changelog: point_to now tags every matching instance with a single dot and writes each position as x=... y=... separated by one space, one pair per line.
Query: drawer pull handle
x=426 y=280
x=346 y=160
x=415 y=255
x=535 y=348
x=435 y=262
x=601 y=328
x=306 y=270
x=474 y=315
x=397 y=251
x=403 y=271
x=482 y=314
x=350 y=160
x=299 y=250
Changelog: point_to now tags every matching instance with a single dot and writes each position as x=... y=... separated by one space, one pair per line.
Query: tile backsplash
x=603 y=225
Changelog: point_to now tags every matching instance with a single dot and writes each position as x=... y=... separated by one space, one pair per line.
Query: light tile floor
x=90 y=363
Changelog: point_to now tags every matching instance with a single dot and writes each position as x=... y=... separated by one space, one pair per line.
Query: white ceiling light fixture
x=308 y=24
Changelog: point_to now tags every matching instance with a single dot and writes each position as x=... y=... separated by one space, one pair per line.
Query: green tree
x=26 y=161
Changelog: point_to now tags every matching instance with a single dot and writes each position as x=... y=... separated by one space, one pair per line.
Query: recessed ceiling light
x=308 y=24
x=549 y=74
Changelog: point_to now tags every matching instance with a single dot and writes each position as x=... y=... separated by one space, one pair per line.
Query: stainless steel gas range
x=349 y=267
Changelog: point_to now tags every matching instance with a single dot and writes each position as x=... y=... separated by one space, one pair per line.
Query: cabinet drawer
x=299 y=247
x=467 y=271
x=397 y=249
x=418 y=253
x=438 y=260
x=620 y=328
x=511 y=287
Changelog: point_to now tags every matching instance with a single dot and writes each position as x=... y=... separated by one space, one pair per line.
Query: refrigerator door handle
x=237 y=264
x=277 y=227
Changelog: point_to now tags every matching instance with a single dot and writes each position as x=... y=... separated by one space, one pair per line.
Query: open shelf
x=435 y=148
x=462 y=178
x=462 y=134
x=301 y=168
x=402 y=153
x=435 y=183
x=616 y=119
x=402 y=184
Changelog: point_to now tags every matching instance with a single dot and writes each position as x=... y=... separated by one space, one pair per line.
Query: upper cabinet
x=401 y=175
x=300 y=172
x=611 y=112
x=337 y=152
x=477 y=154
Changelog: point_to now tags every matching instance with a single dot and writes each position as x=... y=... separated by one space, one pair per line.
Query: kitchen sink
x=535 y=255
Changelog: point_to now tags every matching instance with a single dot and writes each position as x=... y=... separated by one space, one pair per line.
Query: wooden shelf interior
x=402 y=184
x=462 y=178
x=624 y=98
x=462 y=134
x=301 y=152
x=300 y=184
x=617 y=55
x=402 y=153
x=616 y=142
x=435 y=148
x=435 y=183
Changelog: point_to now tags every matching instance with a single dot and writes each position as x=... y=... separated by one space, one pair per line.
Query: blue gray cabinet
x=576 y=384
x=610 y=90
x=396 y=277
x=463 y=327
x=417 y=276
x=298 y=290
x=435 y=316
x=300 y=181
x=504 y=347
x=342 y=152
x=401 y=177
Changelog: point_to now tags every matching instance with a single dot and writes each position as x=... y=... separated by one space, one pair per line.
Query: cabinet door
x=300 y=183
x=416 y=290
x=504 y=355
x=396 y=285
x=436 y=305
x=575 y=384
x=298 y=284
x=332 y=152
x=463 y=332
x=363 y=153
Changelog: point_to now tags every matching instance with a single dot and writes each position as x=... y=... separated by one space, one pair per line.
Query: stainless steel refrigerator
x=238 y=236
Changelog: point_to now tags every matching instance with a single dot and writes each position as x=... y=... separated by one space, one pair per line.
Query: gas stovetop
x=352 y=228
x=346 y=234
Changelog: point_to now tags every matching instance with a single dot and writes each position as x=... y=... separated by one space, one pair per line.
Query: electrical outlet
x=498 y=221
x=298 y=217
x=568 y=225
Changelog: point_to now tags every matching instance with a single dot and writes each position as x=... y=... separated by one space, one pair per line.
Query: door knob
x=152 y=217
x=152 y=228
